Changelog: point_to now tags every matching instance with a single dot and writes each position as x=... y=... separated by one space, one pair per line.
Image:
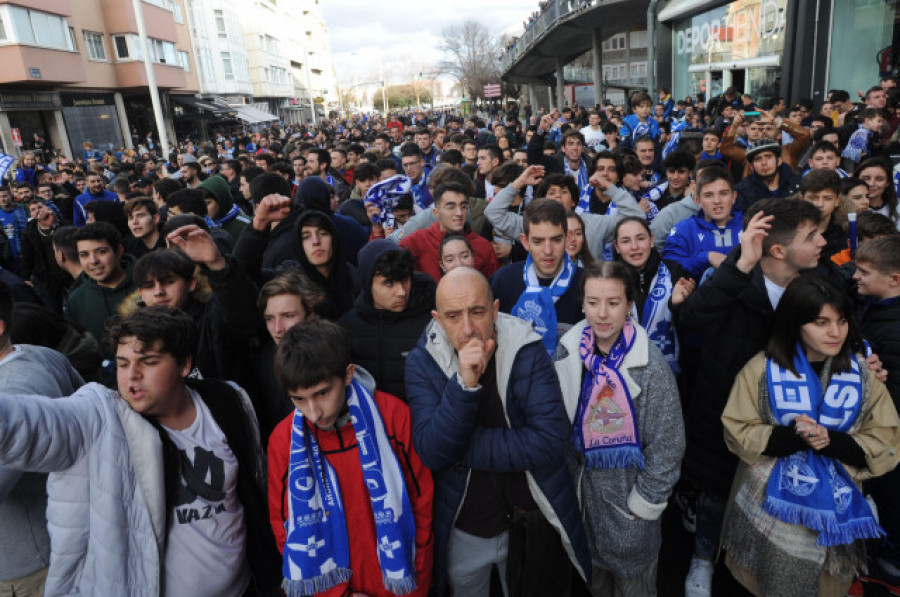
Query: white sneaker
x=699 y=579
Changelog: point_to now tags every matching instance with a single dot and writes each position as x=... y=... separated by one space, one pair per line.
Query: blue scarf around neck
x=807 y=488
x=317 y=548
x=537 y=305
x=657 y=317
x=584 y=186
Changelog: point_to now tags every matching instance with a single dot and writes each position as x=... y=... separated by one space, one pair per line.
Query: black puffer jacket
x=381 y=339
x=881 y=327
x=733 y=311
x=752 y=188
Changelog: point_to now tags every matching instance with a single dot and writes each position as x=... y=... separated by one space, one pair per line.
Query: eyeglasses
x=408 y=165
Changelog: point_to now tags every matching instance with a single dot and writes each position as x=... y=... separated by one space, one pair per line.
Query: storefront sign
x=81 y=100
x=37 y=100
x=746 y=25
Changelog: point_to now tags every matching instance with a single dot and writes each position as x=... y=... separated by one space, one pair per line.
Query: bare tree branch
x=471 y=56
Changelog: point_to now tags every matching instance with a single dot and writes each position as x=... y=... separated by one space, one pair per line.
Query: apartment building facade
x=72 y=71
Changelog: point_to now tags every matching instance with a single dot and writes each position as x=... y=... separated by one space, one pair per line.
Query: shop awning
x=253 y=115
x=213 y=106
x=680 y=8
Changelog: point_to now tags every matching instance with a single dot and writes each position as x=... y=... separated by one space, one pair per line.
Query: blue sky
x=402 y=35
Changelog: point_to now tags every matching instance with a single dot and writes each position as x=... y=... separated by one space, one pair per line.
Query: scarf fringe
x=314 y=586
x=831 y=533
x=400 y=586
x=614 y=458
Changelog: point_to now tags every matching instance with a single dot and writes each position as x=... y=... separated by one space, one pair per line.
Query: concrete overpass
x=565 y=30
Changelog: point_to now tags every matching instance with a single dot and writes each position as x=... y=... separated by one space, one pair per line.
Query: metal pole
x=309 y=90
x=651 y=47
x=151 y=79
x=560 y=84
x=597 y=55
x=383 y=96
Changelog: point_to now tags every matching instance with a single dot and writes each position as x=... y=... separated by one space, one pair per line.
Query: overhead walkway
x=565 y=30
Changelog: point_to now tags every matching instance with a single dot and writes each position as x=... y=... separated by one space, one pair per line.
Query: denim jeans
x=710 y=514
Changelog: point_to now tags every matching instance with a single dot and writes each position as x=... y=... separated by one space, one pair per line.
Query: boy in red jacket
x=451 y=208
x=349 y=499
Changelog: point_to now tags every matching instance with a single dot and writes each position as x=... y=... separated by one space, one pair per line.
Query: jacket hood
x=313 y=193
x=421 y=301
x=219 y=188
x=325 y=222
x=368 y=256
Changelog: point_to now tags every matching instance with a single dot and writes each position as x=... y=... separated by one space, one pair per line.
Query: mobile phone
x=751 y=116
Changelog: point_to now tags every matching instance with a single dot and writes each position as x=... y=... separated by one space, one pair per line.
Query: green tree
x=403 y=96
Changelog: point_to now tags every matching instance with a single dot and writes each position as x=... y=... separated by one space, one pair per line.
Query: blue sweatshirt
x=692 y=240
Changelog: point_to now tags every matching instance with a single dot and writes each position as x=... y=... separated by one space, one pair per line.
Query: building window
x=121 y=44
x=184 y=61
x=176 y=12
x=94 y=44
x=40 y=28
x=220 y=23
x=226 y=66
x=162 y=51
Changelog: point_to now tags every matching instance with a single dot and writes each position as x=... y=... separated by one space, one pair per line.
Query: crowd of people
x=434 y=355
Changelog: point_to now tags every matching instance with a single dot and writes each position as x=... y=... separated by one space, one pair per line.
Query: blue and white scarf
x=317 y=549
x=672 y=145
x=232 y=214
x=657 y=317
x=537 y=305
x=841 y=172
x=609 y=248
x=652 y=196
x=807 y=488
x=386 y=194
x=858 y=145
x=641 y=129
x=422 y=199
x=584 y=186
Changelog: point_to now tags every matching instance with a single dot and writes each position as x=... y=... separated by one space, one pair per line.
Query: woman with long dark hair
x=662 y=284
x=809 y=423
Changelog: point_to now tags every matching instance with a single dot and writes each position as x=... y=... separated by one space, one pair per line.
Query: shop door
x=30 y=123
x=737 y=80
x=764 y=84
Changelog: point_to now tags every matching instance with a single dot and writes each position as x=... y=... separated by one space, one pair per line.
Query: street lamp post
x=312 y=100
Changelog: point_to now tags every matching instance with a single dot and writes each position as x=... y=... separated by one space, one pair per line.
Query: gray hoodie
x=598 y=229
x=670 y=215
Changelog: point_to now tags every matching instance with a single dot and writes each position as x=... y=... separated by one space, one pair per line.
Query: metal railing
x=555 y=11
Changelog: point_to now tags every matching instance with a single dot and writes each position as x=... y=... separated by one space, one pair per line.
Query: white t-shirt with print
x=206 y=552
x=593 y=138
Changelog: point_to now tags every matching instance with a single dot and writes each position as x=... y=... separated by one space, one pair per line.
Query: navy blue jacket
x=751 y=189
x=450 y=444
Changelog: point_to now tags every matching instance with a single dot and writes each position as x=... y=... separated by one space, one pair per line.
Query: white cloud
x=401 y=36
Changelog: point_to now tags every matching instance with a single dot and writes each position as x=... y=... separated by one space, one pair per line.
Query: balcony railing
x=553 y=12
